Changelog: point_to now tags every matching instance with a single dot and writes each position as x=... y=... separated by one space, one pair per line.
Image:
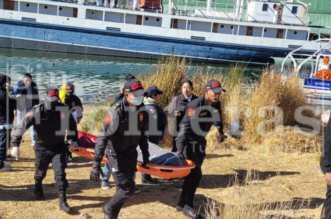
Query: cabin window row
x=238 y=30
x=30 y=7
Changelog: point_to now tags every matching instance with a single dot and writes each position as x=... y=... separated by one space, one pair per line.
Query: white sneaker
x=6 y=168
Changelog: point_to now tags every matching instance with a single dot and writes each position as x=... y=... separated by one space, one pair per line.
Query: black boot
x=38 y=191
x=117 y=210
x=180 y=204
x=190 y=212
x=63 y=201
x=148 y=179
x=109 y=212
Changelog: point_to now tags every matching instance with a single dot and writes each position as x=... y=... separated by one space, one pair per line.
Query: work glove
x=144 y=164
x=181 y=155
x=95 y=172
x=221 y=138
x=15 y=152
x=72 y=143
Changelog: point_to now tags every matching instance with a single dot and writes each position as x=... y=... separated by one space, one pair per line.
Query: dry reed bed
x=250 y=110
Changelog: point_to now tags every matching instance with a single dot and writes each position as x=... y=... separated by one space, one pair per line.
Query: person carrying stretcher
x=123 y=129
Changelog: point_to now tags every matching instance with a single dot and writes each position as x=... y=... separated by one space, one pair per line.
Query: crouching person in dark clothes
x=200 y=115
x=124 y=128
x=325 y=163
x=51 y=120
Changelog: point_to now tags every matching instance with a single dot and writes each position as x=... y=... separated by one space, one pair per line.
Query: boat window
x=48 y=9
x=28 y=7
x=178 y=24
x=294 y=9
x=94 y=15
x=224 y=28
x=265 y=7
x=68 y=12
x=199 y=26
x=297 y=35
x=153 y=21
x=9 y=5
x=270 y=33
x=114 y=17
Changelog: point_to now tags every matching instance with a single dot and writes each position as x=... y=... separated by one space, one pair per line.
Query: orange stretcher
x=166 y=172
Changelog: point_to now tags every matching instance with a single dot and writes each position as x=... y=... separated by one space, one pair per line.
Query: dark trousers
x=123 y=168
x=194 y=151
x=174 y=147
x=57 y=157
x=4 y=145
x=326 y=211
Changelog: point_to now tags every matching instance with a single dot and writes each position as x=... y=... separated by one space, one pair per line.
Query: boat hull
x=318 y=91
x=61 y=38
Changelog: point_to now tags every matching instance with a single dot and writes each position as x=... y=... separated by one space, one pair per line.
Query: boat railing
x=291 y=55
x=218 y=11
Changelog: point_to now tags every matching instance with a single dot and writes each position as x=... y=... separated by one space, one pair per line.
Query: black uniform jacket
x=49 y=126
x=74 y=102
x=116 y=135
x=198 y=110
x=7 y=107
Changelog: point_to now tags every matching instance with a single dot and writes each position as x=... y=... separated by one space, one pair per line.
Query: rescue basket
x=85 y=149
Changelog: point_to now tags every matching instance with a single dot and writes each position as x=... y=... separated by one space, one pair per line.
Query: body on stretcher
x=86 y=144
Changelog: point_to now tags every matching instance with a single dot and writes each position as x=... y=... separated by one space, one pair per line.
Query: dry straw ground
x=274 y=176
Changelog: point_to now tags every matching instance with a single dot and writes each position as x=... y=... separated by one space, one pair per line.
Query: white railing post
x=208 y=5
x=170 y=7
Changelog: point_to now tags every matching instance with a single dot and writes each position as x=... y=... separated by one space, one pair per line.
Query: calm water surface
x=95 y=77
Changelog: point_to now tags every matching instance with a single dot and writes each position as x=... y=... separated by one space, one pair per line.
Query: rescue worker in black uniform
x=73 y=102
x=200 y=115
x=124 y=128
x=50 y=120
x=325 y=163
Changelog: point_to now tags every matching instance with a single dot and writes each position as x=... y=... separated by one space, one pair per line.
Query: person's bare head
x=27 y=80
x=187 y=88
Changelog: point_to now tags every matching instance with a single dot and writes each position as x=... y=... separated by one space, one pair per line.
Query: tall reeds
x=271 y=102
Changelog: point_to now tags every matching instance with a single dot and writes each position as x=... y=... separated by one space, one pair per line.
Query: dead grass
x=242 y=184
x=256 y=176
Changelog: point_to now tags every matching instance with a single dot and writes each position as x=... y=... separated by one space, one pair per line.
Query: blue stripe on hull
x=39 y=36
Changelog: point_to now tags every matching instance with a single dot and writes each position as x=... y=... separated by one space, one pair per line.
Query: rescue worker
x=325 y=163
x=106 y=169
x=74 y=103
x=7 y=107
x=124 y=128
x=200 y=115
x=51 y=120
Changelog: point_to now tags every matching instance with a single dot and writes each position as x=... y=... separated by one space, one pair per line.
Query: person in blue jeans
x=27 y=97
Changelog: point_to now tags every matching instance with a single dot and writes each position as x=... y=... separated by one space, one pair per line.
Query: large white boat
x=139 y=29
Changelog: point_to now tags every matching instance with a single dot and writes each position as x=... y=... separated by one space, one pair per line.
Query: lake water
x=95 y=77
